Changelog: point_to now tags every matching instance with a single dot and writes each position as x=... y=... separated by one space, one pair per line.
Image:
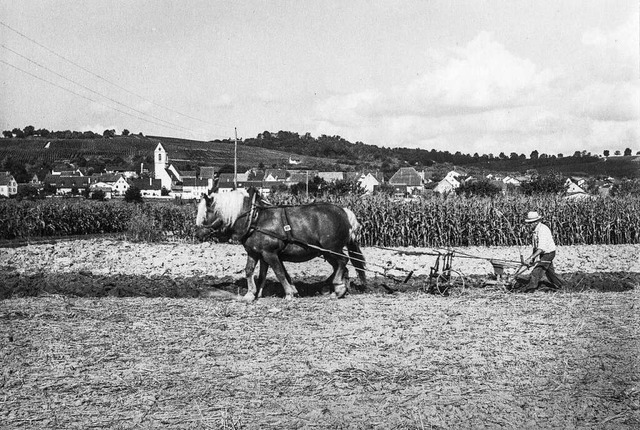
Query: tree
x=98 y=195
x=133 y=195
x=627 y=152
x=544 y=184
x=18 y=133
x=482 y=188
x=108 y=133
x=7 y=134
x=29 y=131
x=534 y=155
x=617 y=152
x=125 y=132
x=27 y=192
x=605 y=153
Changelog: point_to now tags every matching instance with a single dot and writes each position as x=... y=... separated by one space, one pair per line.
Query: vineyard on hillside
x=182 y=151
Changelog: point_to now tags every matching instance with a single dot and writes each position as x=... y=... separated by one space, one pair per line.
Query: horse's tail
x=353 y=246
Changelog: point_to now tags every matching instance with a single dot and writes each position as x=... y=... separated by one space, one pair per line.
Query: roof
x=331 y=176
x=406 y=176
x=278 y=174
x=147 y=184
x=195 y=182
x=6 y=178
x=73 y=181
x=301 y=175
x=207 y=172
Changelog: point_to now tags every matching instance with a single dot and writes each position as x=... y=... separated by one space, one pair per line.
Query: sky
x=485 y=76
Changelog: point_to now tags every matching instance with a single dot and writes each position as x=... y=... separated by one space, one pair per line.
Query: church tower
x=160 y=161
x=160 y=165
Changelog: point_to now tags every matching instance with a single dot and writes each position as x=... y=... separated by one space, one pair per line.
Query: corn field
x=455 y=221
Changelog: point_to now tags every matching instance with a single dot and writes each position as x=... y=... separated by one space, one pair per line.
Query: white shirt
x=542 y=239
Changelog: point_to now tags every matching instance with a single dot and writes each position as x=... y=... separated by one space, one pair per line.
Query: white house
x=447 y=185
x=8 y=184
x=368 y=182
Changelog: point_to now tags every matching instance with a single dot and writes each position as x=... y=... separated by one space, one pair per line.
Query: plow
x=443 y=277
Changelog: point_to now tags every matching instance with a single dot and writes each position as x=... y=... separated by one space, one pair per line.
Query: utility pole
x=235 y=160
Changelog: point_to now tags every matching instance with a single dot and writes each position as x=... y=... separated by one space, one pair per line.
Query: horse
x=274 y=234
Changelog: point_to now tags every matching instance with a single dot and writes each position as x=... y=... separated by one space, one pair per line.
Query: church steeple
x=160 y=161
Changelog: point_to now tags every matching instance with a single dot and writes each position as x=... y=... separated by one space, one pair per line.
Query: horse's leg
x=340 y=276
x=281 y=273
x=262 y=278
x=251 y=284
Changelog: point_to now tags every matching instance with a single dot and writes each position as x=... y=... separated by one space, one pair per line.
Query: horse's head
x=217 y=212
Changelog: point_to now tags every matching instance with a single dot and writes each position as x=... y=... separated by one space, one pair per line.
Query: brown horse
x=273 y=234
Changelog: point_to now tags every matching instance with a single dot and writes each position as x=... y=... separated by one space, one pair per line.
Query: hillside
x=275 y=149
x=135 y=149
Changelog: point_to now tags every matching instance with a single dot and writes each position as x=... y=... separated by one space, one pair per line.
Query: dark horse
x=273 y=234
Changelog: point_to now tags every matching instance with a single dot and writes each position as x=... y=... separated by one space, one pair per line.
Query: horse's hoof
x=333 y=296
x=289 y=297
x=249 y=297
x=340 y=291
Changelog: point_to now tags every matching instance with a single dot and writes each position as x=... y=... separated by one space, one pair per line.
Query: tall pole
x=235 y=160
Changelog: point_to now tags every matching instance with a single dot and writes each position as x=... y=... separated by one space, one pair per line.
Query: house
x=207 y=172
x=447 y=185
x=369 y=182
x=121 y=170
x=101 y=186
x=573 y=190
x=8 y=185
x=275 y=175
x=148 y=187
x=66 y=185
x=194 y=188
x=116 y=184
x=409 y=177
x=294 y=161
x=331 y=177
x=298 y=176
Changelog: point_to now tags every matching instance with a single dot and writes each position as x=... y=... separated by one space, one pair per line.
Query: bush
x=478 y=189
x=133 y=195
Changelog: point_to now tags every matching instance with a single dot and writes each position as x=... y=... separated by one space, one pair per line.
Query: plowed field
x=113 y=334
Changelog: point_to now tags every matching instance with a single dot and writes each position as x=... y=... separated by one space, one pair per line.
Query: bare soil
x=113 y=334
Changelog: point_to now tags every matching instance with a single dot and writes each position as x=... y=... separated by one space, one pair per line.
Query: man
x=544 y=248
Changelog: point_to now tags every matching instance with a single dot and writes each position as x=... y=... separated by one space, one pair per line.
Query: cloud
x=483 y=98
x=481 y=76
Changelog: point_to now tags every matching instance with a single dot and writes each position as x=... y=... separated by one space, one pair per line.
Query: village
x=166 y=181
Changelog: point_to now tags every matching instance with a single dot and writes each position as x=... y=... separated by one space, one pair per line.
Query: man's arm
x=536 y=253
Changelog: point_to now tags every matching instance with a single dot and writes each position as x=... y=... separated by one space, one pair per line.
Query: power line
x=93 y=91
x=106 y=80
x=81 y=95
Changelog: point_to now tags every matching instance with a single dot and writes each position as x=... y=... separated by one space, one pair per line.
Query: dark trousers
x=545 y=267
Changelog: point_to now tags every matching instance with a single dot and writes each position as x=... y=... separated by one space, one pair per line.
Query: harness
x=253 y=214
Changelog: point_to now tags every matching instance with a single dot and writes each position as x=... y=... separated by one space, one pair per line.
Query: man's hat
x=533 y=216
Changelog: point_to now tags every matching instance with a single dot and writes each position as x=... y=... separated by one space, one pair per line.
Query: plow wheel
x=451 y=280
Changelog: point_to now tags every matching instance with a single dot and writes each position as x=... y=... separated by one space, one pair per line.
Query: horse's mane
x=228 y=206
